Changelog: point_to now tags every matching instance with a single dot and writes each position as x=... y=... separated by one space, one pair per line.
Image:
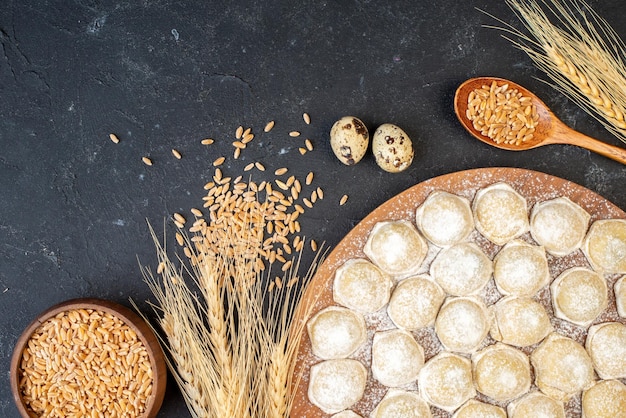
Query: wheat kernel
x=180 y=218
x=176 y=154
x=302 y=150
x=307 y=118
x=294 y=134
x=259 y=166
x=247 y=138
x=309 y=178
x=237 y=153
x=313 y=245
x=146 y=160
x=248 y=167
x=308 y=144
x=114 y=138
x=239 y=144
x=219 y=161
x=269 y=126
x=343 y=200
x=207 y=141
x=239 y=132
x=307 y=202
x=280 y=171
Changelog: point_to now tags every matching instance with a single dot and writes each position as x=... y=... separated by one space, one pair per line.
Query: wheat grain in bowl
x=88 y=356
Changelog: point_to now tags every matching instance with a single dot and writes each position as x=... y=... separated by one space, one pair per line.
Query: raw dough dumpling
x=605 y=246
x=361 y=286
x=335 y=385
x=559 y=225
x=462 y=324
x=336 y=332
x=446 y=382
x=520 y=269
x=462 y=269
x=606 y=345
x=445 y=219
x=477 y=409
x=396 y=358
x=605 y=399
x=501 y=372
x=536 y=405
x=500 y=213
x=620 y=296
x=562 y=367
x=579 y=295
x=415 y=302
x=396 y=247
x=401 y=404
x=347 y=414
x=519 y=321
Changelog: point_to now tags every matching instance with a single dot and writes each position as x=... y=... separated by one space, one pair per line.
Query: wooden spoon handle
x=563 y=134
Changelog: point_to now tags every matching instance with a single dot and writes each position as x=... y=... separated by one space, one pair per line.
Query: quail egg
x=392 y=148
x=349 y=139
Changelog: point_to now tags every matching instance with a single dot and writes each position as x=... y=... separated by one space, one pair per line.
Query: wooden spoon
x=549 y=130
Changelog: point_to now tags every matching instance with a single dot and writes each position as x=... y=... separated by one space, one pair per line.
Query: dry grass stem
x=581 y=53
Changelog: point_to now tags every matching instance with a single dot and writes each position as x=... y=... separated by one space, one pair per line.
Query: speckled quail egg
x=392 y=148
x=349 y=139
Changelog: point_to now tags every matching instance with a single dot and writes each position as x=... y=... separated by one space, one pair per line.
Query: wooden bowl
x=126 y=315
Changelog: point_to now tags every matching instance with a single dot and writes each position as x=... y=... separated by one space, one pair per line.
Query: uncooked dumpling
x=536 y=405
x=605 y=246
x=415 y=302
x=396 y=247
x=605 y=399
x=461 y=269
x=401 y=404
x=500 y=213
x=462 y=324
x=562 y=367
x=477 y=409
x=335 y=385
x=620 y=296
x=501 y=372
x=520 y=269
x=396 y=358
x=445 y=219
x=361 y=286
x=446 y=382
x=579 y=295
x=336 y=332
x=559 y=225
x=519 y=321
x=606 y=345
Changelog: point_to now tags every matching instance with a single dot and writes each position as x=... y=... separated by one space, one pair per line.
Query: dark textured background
x=164 y=74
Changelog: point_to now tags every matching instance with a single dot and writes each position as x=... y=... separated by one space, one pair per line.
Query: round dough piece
x=579 y=295
x=396 y=358
x=501 y=372
x=361 y=286
x=606 y=345
x=462 y=324
x=396 y=247
x=521 y=269
x=477 y=409
x=562 y=367
x=335 y=385
x=446 y=382
x=519 y=321
x=336 y=332
x=401 y=404
x=415 y=302
x=536 y=405
x=605 y=399
x=462 y=269
x=605 y=246
x=445 y=218
x=620 y=296
x=347 y=414
x=500 y=213
x=559 y=225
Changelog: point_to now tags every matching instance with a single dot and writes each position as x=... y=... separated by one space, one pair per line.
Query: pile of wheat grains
x=83 y=361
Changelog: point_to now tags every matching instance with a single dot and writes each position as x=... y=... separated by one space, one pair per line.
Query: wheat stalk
x=581 y=53
x=232 y=343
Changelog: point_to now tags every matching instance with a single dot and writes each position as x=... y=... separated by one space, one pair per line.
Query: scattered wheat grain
x=269 y=126
x=146 y=161
x=308 y=144
x=114 y=138
x=343 y=200
x=207 y=141
x=176 y=154
x=307 y=118
x=219 y=161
